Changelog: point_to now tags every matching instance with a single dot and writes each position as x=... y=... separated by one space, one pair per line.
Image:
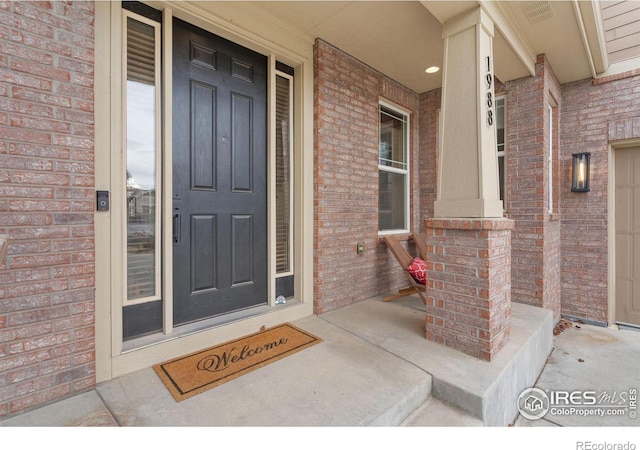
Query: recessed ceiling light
x=432 y=69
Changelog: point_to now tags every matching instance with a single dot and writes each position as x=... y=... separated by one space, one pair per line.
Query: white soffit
x=398 y=38
x=445 y=10
x=552 y=28
x=402 y=38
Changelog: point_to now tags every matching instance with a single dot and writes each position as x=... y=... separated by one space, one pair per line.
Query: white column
x=468 y=162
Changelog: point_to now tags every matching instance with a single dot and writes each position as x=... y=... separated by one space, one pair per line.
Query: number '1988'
x=489 y=102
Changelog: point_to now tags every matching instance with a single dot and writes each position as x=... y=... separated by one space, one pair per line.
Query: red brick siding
x=594 y=113
x=618 y=76
x=47 y=348
x=347 y=95
x=469 y=284
x=535 y=240
x=429 y=135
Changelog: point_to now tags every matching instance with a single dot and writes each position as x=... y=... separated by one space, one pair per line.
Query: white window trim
x=550 y=180
x=553 y=157
x=406 y=171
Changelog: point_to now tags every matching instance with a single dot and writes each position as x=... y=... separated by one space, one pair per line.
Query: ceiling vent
x=538 y=12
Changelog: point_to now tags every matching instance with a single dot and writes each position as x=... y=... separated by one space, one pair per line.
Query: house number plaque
x=489 y=103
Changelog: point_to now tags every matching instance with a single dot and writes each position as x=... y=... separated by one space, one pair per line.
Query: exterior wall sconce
x=581 y=165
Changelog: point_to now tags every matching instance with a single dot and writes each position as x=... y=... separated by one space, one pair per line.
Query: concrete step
x=436 y=413
x=488 y=391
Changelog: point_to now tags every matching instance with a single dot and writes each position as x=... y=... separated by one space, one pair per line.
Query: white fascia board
x=589 y=16
x=510 y=33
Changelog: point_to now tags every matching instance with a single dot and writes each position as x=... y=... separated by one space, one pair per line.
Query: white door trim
x=613 y=146
x=111 y=359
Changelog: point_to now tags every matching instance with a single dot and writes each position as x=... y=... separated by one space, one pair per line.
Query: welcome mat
x=197 y=372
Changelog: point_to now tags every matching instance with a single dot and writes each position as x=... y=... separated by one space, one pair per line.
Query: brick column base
x=469 y=284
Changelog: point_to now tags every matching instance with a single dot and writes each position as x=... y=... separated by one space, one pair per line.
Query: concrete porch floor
x=375 y=368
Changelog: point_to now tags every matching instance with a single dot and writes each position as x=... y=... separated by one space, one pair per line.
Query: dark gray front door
x=219 y=175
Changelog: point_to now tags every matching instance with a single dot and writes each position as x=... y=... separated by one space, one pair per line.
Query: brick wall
x=559 y=258
x=594 y=113
x=428 y=164
x=536 y=237
x=469 y=284
x=347 y=94
x=46 y=202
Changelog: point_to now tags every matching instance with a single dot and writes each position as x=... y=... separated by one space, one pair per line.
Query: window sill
x=400 y=235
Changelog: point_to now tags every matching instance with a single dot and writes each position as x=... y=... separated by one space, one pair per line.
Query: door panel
x=242 y=249
x=627 y=198
x=204 y=262
x=219 y=175
x=241 y=114
x=203 y=134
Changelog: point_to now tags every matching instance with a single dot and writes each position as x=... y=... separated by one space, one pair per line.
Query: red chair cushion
x=418 y=270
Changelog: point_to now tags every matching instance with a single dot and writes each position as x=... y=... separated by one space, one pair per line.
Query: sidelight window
x=141 y=98
x=284 y=191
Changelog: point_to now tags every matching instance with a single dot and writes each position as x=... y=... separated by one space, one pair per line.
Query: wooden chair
x=404 y=258
x=421 y=244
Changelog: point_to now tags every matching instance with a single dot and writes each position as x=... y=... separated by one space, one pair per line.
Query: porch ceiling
x=402 y=38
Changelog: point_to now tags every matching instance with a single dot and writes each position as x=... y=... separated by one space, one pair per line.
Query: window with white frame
x=283 y=166
x=142 y=149
x=393 y=170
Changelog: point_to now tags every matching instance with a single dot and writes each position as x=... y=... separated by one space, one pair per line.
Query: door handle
x=176 y=228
